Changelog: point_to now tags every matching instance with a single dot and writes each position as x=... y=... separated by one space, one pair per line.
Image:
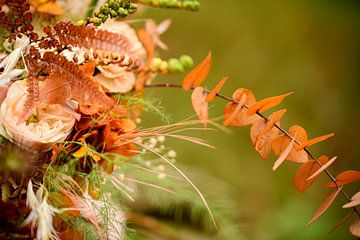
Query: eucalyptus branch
x=286 y=133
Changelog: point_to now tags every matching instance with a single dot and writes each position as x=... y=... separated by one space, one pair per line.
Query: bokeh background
x=273 y=47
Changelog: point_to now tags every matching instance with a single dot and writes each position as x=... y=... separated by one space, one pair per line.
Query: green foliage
x=132 y=101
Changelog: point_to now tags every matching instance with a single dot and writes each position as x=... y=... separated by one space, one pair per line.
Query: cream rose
x=113 y=77
x=52 y=124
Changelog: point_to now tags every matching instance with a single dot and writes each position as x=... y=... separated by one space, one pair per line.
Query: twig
x=286 y=133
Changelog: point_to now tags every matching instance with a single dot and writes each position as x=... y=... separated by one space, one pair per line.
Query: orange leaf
x=237 y=110
x=149 y=45
x=323 y=167
x=50 y=8
x=266 y=104
x=88 y=68
x=283 y=155
x=325 y=205
x=345 y=178
x=241 y=118
x=274 y=118
x=315 y=140
x=281 y=142
x=211 y=96
x=200 y=105
x=125 y=125
x=198 y=74
x=355 y=228
x=263 y=133
x=307 y=169
x=355 y=201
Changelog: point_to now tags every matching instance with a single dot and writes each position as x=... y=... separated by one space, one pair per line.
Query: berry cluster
x=173 y=65
x=114 y=9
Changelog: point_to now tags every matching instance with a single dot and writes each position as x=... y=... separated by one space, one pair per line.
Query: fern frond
x=79 y=86
x=67 y=33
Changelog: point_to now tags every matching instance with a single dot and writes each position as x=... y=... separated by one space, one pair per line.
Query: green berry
x=113 y=13
x=187 y=5
x=175 y=65
x=80 y=23
x=186 y=61
x=96 y=21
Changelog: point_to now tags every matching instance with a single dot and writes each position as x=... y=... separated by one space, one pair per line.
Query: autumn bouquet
x=73 y=155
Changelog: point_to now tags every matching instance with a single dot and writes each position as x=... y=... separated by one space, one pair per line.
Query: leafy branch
x=239 y=112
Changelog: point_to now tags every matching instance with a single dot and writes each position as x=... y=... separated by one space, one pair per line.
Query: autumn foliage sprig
x=267 y=136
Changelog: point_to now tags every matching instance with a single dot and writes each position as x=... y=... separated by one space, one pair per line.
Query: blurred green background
x=273 y=47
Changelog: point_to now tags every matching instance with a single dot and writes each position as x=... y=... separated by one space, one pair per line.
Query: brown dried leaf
x=355 y=228
x=241 y=118
x=345 y=177
x=283 y=155
x=200 y=105
x=325 y=205
x=211 y=96
x=355 y=201
x=236 y=111
x=307 y=169
x=198 y=74
x=280 y=143
x=263 y=133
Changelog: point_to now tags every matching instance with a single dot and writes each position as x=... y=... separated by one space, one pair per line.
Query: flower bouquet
x=75 y=161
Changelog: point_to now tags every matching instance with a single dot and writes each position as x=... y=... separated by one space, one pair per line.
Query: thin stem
x=286 y=133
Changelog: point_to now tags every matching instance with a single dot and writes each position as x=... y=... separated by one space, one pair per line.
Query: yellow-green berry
x=175 y=66
x=164 y=66
x=155 y=64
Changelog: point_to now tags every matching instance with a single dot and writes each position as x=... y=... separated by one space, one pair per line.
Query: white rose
x=52 y=124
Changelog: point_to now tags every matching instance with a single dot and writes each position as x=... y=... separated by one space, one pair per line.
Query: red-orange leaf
x=266 y=104
x=315 y=140
x=211 y=96
x=241 y=118
x=198 y=74
x=281 y=142
x=325 y=205
x=307 y=169
x=355 y=228
x=200 y=105
x=345 y=178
